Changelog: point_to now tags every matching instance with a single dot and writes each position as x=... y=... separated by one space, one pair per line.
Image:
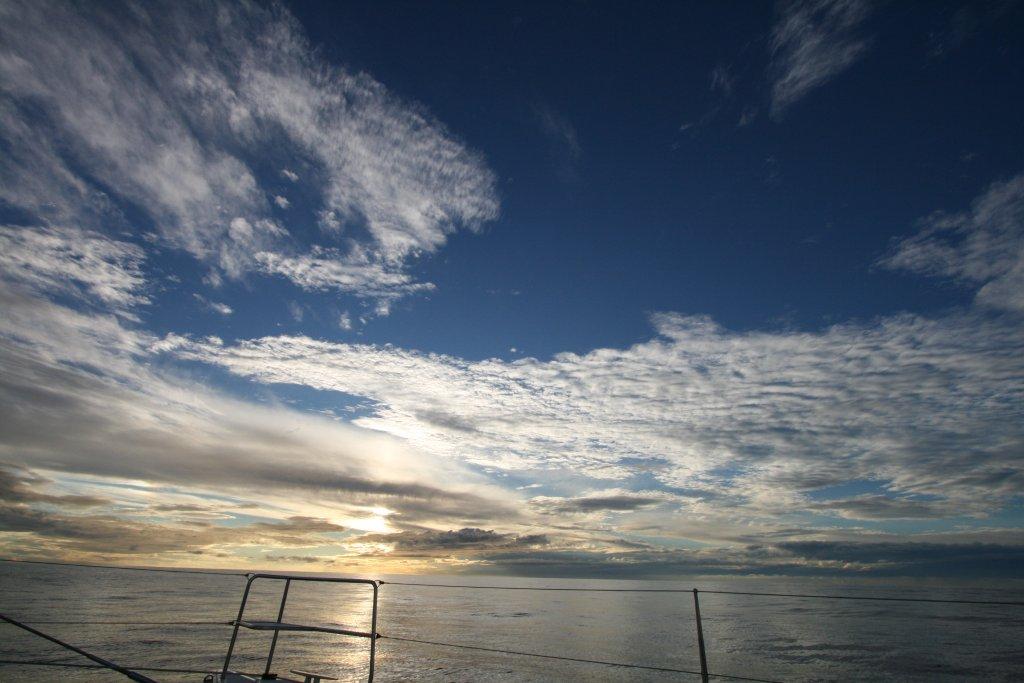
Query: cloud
x=282 y=202
x=74 y=262
x=564 y=141
x=559 y=129
x=470 y=539
x=982 y=247
x=698 y=433
x=360 y=273
x=20 y=486
x=931 y=559
x=722 y=81
x=806 y=558
x=599 y=502
x=111 y=535
x=811 y=43
x=214 y=306
x=758 y=419
x=964 y=24
x=732 y=432
x=79 y=397
x=885 y=507
x=158 y=111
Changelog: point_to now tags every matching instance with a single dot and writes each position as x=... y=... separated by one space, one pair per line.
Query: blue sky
x=573 y=289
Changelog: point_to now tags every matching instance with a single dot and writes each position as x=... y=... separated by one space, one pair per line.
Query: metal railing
x=279 y=625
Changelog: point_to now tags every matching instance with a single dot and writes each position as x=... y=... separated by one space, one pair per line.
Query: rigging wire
x=74 y=665
x=134 y=623
x=139 y=678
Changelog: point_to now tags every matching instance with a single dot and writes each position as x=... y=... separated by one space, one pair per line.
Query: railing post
x=373 y=631
x=280 y=616
x=700 y=640
x=234 y=633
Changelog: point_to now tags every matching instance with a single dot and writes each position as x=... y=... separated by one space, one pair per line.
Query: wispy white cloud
x=215 y=306
x=722 y=81
x=159 y=108
x=564 y=140
x=76 y=262
x=359 y=272
x=982 y=247
x=812 y=42
x=559 y=129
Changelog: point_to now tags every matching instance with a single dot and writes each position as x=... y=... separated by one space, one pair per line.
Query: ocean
x=785 y=639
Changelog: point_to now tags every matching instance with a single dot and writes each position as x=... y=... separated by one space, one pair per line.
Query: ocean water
x=788 y=639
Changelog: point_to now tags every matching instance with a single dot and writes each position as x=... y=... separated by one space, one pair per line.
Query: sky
x=593 y=289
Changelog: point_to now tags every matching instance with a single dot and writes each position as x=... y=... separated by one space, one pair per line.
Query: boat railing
x=280 y=625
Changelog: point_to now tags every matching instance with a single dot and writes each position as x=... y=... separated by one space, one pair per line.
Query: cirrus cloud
x=165 y=111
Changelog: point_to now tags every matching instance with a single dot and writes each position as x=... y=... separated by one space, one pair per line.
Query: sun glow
x=376 y=524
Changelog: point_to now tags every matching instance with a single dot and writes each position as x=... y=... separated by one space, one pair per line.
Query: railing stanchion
x=280 y=616
x=373 y=630
x=700 y=640
x=234 y=633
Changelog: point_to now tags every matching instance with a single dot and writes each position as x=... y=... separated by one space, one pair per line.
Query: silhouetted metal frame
x=700 y=639
x=250 y=578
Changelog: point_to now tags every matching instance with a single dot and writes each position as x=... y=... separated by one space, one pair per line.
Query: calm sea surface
x=777 y=638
